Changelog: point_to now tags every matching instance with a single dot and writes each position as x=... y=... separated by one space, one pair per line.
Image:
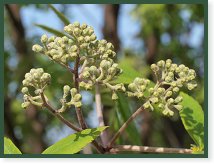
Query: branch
x=80 y=117
x=76 y=84
x=59 y=116
x=103 y=136
x=124 y=126
x=146 y=149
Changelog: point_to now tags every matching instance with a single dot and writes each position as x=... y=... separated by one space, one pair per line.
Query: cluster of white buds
x=59 y=49
x=75 y=98
x=83 y=34
x=138 y=87
x=104 y=74
x=38 y=80
x=95 y=56
x=170 y=78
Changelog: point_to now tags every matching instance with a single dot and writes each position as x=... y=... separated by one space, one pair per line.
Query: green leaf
x=129 y=73
x=9 y=147
x=61 y=16
x=75 y=142
x=51 y=30
x=124 y=111
x=192 y=117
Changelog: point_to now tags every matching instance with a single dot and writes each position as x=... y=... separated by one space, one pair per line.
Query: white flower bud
x=76 y=24
x=66 y=89
x=161 y=63
x=78 y=104
x=44 y=38
x=25 y=105
x=178 y=107
x=114 y=96
x=37 y=48
x=51 y=39
x=24 y=90
x=151 y=90
x=178 y=99
x=77 y=97
x=73 y=91
x=146 y=105
x=87 y=38
x=175 y=89
x=83 y=26
x=132 y=87
x=168 y=93
x=170 y=101
x=93 y=37
x=161 y=106
x=46 y=77
x=86 y=74
x=154 y=67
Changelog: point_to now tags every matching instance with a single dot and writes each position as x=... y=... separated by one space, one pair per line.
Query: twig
x=76 y=84
x=103 y=136
x=59 y=116
x=80 y=117
x=124 y=126
x=146 y=149
x=69 y=124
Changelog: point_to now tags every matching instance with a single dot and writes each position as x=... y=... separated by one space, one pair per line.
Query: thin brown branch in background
x=59 y=116
x=147 y=149
x=124 y=126
x=103 y=136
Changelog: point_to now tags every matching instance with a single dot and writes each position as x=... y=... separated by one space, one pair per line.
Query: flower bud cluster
x=75 y=98
x=37 y=79
x=174 y=75
x=59 y=49
x=164 y=95
x=96 y=56
x=104 y=74
x=83 y=34
x=138 y=87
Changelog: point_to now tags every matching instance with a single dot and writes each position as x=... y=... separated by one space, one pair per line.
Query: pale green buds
x=73 y=91
x=66 y=89
x=170 y=78
x=114 y=96
x=37 y=48
x=168 y=93
x=154 y=67
x=25 y=105
x=78 y=104
x=77 y=97
x=24 y=90
x=146 y=105
x=178 y=107
x=138 y=87
x=44 y=39
x=36 y=78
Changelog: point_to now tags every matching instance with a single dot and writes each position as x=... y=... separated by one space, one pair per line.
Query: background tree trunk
x=36 y=128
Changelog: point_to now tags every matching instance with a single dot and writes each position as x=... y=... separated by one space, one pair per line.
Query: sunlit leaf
x=9 y=147
x=61 y=16
x=192 y=117
x=75 y=142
